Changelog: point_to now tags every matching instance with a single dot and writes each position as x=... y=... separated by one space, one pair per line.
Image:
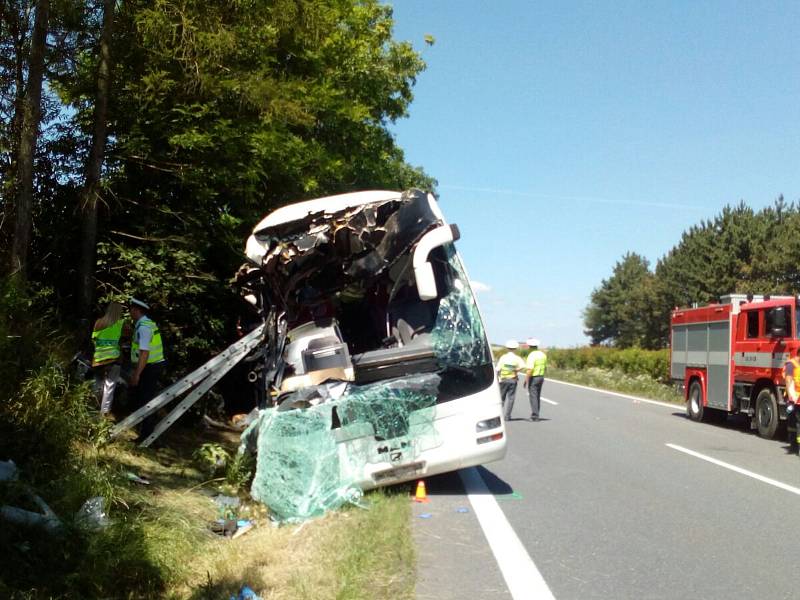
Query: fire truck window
x=752 y=324
x=777 y=319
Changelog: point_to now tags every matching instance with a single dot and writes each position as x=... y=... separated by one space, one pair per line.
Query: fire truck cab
x=729 y=357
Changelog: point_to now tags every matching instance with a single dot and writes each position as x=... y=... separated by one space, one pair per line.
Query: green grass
x=159 y=546
x=378 y=561
x=637 y=385
x=362 y=554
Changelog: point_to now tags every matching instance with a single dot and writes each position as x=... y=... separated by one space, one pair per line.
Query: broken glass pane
x=312 y=459
x=458 y=336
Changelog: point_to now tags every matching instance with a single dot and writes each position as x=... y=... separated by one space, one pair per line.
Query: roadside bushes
x=631 y=361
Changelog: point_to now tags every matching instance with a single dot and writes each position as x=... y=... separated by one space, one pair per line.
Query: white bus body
x=379 y=310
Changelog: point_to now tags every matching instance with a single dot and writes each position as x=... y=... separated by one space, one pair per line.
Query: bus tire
x=767 y=416
x=694 y=402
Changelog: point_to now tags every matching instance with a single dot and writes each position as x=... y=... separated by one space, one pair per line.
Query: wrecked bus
x=376 y=367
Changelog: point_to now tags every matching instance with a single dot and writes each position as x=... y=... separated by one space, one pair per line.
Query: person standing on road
x=147 y=358
x=536 y=365
x=108 y=330
x=508 y=367
x=791 y=376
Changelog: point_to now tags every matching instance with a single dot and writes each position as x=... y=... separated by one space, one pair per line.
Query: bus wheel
x=767 y=418
x=694 y=405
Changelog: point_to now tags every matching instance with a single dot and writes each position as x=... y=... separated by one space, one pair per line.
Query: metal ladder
x=201 y=379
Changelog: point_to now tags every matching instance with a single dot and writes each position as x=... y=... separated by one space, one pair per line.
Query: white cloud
x=478 y=287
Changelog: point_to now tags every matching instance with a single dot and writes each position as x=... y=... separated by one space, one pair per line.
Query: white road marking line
x=646 y=400
x=741 y=471
x=553 y=402
x=522 y=577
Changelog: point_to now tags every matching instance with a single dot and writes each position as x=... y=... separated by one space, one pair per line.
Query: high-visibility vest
x=106 y=343
x=509 y=364
x=537 y=363
x=156 y=347
x=795 y=372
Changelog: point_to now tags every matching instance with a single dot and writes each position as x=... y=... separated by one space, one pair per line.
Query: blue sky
x=565 y=134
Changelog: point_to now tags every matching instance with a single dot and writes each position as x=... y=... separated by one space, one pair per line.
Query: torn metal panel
x=307 y=260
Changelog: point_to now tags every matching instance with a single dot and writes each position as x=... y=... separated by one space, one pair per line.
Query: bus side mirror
x=778 y=332
x=426 y=282
x=423 y=269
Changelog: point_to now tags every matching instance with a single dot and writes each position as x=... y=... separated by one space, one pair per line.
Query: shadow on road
x=449 y=484
x=742 y=424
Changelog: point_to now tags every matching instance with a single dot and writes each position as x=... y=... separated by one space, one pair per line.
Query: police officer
x=147 y=358
x=791 y=376
x=508 y=366
x=108 y=330
x=536 y=365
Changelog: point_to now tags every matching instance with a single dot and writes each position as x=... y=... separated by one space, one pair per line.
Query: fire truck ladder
x=201 y=380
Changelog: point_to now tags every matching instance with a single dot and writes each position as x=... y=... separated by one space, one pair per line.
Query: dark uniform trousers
x=144 y=392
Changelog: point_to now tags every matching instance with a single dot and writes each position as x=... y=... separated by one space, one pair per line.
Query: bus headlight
x=487 y=424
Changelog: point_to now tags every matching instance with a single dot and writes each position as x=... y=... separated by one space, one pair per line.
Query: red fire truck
x=729 y=357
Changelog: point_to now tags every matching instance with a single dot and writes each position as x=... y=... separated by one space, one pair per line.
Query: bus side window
x=752 y=324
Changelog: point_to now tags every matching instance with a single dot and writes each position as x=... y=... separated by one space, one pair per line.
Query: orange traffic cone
x=421 y=495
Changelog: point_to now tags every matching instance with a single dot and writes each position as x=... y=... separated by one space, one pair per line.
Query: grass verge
x=616 y=381
x=159 y=545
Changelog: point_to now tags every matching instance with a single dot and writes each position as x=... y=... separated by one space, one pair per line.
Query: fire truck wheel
x=694 y=405
x=767 y=416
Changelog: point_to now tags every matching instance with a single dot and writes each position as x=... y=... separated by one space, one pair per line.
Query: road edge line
x=521 y=575
x=639 y=398
x=714 y=461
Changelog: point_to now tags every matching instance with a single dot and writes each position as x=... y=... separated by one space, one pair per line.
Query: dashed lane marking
x=553 y=402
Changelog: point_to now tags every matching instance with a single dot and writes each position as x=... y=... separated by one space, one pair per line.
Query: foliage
x=219 y=112
x=621 y=309
x=738 y=251
x=239 y=470
x=630 y=361
x=212 y=458
x=636 y=385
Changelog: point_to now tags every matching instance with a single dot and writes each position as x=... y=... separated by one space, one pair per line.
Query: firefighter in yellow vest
x=791 y=376
x=536 y=365
x=147 y=358
x=108 y=331
x=508 y=367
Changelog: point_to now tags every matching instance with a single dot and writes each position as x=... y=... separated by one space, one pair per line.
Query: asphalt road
x=605 y=508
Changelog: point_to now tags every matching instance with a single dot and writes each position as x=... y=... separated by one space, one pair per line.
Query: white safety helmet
x=533 y=343
x=512 y=344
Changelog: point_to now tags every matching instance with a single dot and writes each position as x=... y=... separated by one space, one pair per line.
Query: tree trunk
x=28 y=139
x=18 y=32
x=94 y=164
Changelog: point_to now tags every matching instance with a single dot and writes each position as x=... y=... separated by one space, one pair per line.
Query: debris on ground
x=228 y=505
x=8 y=470
x=137 y=478
x=92 y=515
x=46 y=519
x=245 y=593
x=231 y=528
